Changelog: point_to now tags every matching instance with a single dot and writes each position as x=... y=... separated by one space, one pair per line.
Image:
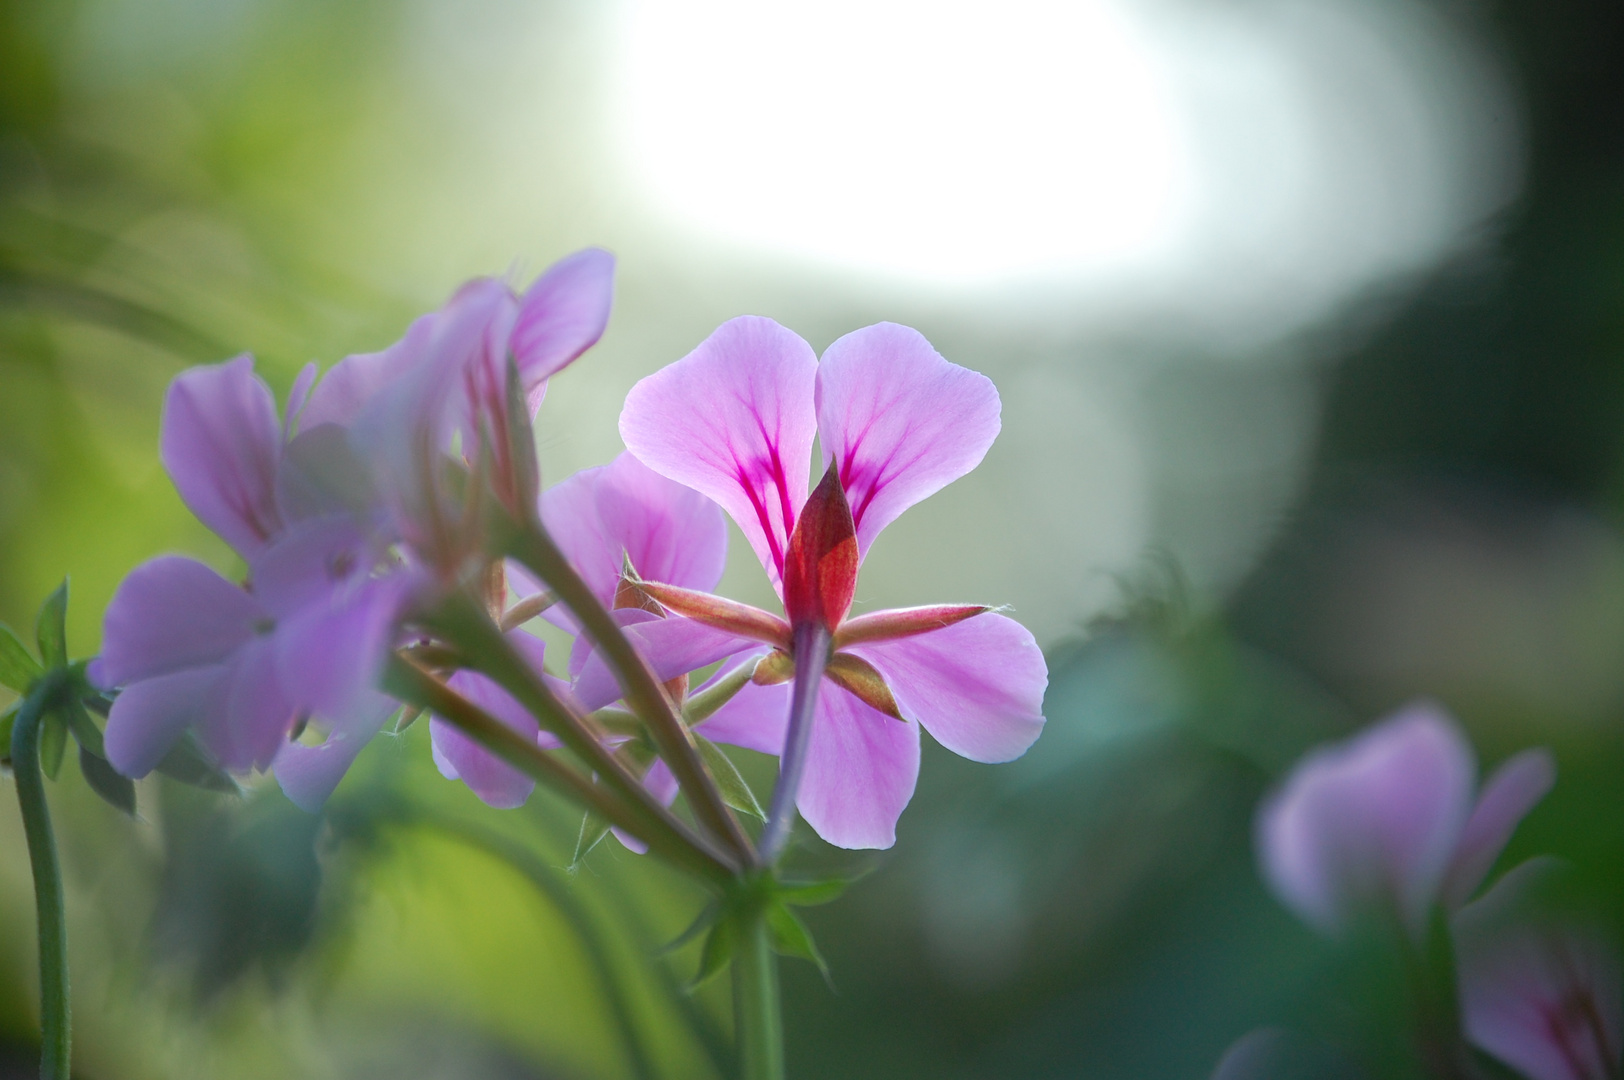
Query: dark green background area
x=1089 y=911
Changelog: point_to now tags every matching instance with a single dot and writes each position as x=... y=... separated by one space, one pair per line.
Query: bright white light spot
x=936 y=139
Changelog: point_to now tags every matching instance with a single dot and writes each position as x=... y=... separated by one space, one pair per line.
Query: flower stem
x=55 y=1010
x=642 y=691
x=811 y=656
x=665 y=836
x=757 y=1011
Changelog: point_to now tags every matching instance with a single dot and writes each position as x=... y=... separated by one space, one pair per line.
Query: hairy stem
x=642 y=691
x=811 y=656
x=757 y=1011
x=55 y=1009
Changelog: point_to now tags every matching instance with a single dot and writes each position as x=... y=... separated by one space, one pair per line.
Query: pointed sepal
x=730 y=615
x=51 y=628
x=117 y=790
x=860 y=678
x=18 y=668
x=904 y=622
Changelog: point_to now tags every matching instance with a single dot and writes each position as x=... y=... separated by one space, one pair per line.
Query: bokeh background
x=1307 y=316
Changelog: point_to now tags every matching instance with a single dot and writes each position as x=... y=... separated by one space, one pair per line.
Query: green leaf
x=792 y=938
x=187 y=762
x=812 y=893
x=718 y=951
x=17 y=668
x=703 y=921
x=593 y=829
x=53 y=743
x=735 y=792
x=51 y=629
x=116 y=789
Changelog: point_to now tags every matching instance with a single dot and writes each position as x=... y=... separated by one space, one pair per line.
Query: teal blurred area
x=1306 y=317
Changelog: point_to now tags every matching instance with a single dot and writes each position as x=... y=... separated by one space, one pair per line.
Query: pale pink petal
x=1539 y=992
x=569 y=510
x=221 y=440
x=309 y=774
x=330 y=654
x=170 y=614
x=977 y=686
x=459 y=757
x=352 y=383
x=1505 y=800
x=562 y=315
x=1370 y=823
x=151 y=714
x=861 y=766
x=901 y=421
x=734 y=419
x=672 y=647
x=755 y=719
x=308 y=562
x=671 y=533
x=257 y=717
x=663 y=786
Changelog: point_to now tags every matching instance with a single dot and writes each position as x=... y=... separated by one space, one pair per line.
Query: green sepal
x=84 y=729
x=792 y=938
x=812 y=893
x=734 y=791
x=8 y=718
x=719 y=946
x=51 y=629
x=18 y=669
x=187 y=763
x=593 y=830
x=53 y=743
x=521 y=442
x=116 y=789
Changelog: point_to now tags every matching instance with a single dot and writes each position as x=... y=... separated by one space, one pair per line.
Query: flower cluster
x=1388 y=826
x=394 y=487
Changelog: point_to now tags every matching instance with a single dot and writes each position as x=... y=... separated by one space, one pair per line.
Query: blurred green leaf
x=813 y=893
x=84 y=729
x=53 y=743
x=735 y=792
x=17 y=668
x=115 y=789
x=8 y=718
x=792 y=938
x=51 y=629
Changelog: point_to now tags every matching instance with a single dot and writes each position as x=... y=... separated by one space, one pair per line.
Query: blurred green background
x=1307 y=316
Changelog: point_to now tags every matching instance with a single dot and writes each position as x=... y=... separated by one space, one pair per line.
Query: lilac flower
x=1542 y=994
x=1387 y=821
x=735 y=420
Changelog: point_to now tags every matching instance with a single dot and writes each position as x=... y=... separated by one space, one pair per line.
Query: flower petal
x=1505 y=800
x=663 y=786
x=459 y=757
x=672 y=647
x=861 y=767
x=221 y=439
x=977 y=685
x=1370 y=822
x=309 y=774
x=170 y=614
x=562 y=315
x=330 y=654
x=755 y=718
x=1541 y=994
x=257 y=717
x=901 y=422
x=734 y=419
x=151 y=714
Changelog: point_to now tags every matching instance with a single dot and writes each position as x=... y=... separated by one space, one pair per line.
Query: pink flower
x=1542 y=994
x=1387 y=820
x=735 y=420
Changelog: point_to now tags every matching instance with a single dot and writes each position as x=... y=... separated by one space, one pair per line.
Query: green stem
x=641 y=690
x=55 y=1011
x=757 y=1012
x=668 y=839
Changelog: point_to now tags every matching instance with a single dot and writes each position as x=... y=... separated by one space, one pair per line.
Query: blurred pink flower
x=1541 y=994
x=735 y=420
x=1387 y=821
